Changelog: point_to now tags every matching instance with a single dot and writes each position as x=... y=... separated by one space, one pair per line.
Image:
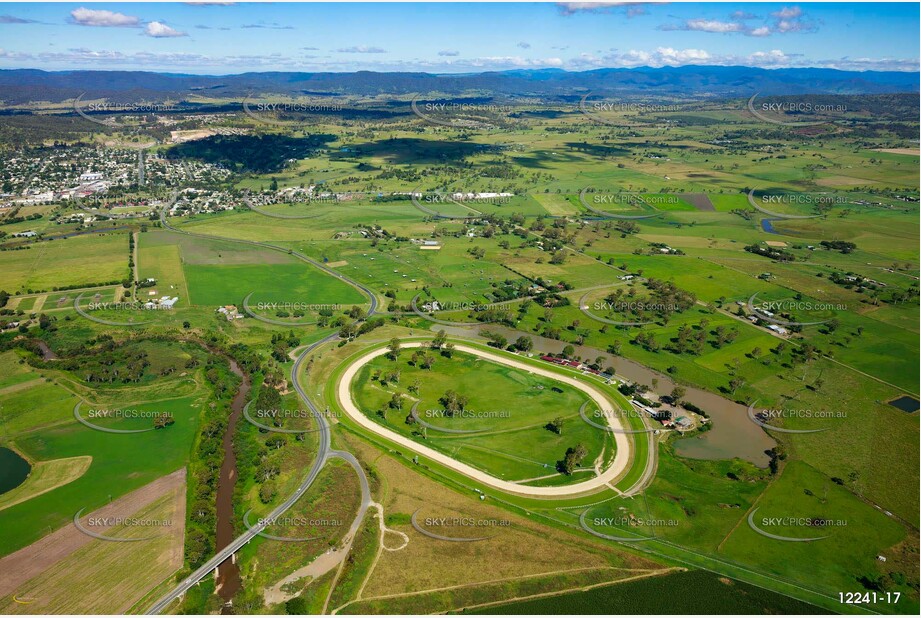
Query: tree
x=267 y=491
x=394 y=348
x=396 y=402
x=524 y=344
x=568 y=351
x=297 y=606
x=495 y=339
x=453 y=402
x=556 y=426
x=677 y=393
x=572 y=459
x=735 y=384
x=276 y=442
x=347 y=331
x=439 y=340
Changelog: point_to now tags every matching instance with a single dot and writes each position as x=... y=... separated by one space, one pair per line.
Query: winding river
x=228 y=574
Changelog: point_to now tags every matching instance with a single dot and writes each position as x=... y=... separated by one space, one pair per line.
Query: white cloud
x=712 y=25
x=769 y=58
x=12 y=19
x=673 y=57
x=272 y=26
x=788 y=12
x=742 y=15
x=630 y=9
x=499 y=62
x=524 y=45
x=792 y=19
x=361 y=49
x=84 y=58
x=160 y=30
x=92 y=17
x=786 y=20
x=8 y=55
x=448 y=52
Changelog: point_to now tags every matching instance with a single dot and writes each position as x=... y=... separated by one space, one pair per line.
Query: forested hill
x=24 y=85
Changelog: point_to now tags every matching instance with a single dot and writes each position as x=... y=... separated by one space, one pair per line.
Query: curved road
x=621 y=458
x=323 y=454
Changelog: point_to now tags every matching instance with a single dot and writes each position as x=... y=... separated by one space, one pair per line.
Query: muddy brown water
x=228 y=573
x=733 y=434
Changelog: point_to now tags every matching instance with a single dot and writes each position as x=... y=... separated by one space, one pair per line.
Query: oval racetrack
x=606 y=479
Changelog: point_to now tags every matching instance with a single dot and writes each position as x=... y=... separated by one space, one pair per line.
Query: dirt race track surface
x=618 y=467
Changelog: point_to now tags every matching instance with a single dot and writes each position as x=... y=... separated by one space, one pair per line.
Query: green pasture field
x=42 y=404
x=120 y=464
x=695 y=592
x=163 y=263
x=668 y=203
x=25 y=303
x=450 y=273
x=515 y=443
x=399 y=217
x=671 y=511
x=81 y=260
x=725 y=202
x=222 y=272
x=300 y=282
x=556 y=205
x=856 y=533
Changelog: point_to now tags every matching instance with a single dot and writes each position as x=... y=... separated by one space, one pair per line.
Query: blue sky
x=222 y=38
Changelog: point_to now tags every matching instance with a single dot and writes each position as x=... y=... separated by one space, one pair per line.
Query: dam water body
x=14 y=470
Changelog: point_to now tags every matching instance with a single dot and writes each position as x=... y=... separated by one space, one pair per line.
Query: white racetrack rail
x=618 y=467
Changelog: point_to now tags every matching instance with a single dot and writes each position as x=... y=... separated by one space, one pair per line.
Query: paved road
x=323 y=455
x=619 y=466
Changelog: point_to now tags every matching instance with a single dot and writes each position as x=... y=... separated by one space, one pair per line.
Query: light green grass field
x=514 y=443
x=82 y=260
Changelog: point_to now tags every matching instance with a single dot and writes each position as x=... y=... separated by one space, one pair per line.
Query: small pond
x=13 y=469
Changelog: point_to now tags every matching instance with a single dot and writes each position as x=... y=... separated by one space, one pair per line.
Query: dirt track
x=21 y=566
x=622 y=457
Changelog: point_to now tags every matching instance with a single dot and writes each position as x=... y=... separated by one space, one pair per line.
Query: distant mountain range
x=19 y=86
